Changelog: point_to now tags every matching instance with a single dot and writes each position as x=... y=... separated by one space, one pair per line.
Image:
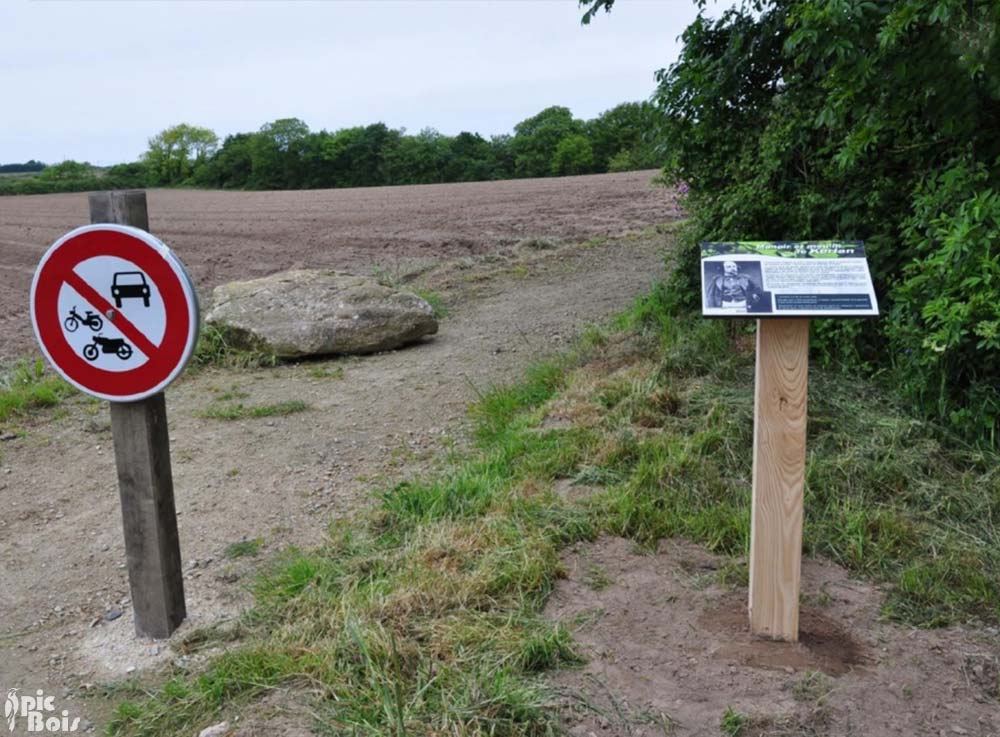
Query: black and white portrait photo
x=735 y=286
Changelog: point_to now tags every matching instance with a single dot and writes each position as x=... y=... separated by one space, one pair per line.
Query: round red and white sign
x=114 y=311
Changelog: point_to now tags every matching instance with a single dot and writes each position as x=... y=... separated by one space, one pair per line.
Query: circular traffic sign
x=114 y=311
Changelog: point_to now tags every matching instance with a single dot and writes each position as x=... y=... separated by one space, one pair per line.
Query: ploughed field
x=224 y=236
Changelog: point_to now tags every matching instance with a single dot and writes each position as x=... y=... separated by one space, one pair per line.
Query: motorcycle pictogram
x=91 y=320
x=116 y=346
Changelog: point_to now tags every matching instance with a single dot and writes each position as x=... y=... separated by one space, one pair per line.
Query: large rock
x=319 y=312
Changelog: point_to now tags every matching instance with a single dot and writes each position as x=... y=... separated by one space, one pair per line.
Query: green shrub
x=873 y=121
x=945 y=325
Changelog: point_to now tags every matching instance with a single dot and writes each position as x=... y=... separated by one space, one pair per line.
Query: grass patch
x=813 y=688
x=244 y=548
x=886 y=495
x=596 y=578
x=422 y=615
x=734 y=723
x=229 y=348
x=327 y=372
x=240 y=411
x=435 y=300
x=27 y=386
x=419 y=617
x=233 y=393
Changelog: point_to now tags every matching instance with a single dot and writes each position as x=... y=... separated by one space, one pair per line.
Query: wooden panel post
x=145 y=482
x=779 y=456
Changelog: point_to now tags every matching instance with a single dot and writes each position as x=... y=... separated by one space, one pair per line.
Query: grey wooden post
x=145 y=483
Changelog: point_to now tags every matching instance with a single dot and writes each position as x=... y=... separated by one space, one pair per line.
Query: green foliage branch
x=857 y=119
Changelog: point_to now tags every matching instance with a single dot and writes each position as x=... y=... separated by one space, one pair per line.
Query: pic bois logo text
x=37 y=714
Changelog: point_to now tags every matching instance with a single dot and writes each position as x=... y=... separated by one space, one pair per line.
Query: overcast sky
x=92 y=81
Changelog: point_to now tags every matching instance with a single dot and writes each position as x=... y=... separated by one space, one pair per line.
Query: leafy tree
x=419 y=159
x=175 y=152
x=359 y=155
x=231 y=166
x=127 y=176
x=470 y=159
x=573 y=155
x=274 y=153
x=628 y=133
x=502 y=155
x=536 y=139
x=285 y=132
x=66 y=170
x=593 y=6
x=306 y=168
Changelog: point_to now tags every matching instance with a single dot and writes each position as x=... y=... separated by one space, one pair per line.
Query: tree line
x=27 y=166
x=286 y=154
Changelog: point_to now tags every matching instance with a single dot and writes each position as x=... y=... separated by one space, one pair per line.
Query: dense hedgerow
x=872 y=120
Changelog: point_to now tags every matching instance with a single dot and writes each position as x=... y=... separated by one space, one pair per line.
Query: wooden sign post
x=145 y=482
x=116 y=314
x=791 y=281
x=779 y=471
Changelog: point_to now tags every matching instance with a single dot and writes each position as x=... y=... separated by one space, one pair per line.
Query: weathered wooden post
x=791 y=281
x=126 y=352
x=145 y=481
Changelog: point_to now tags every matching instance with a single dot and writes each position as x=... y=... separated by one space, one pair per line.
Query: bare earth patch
x=225 y=236
x=669 y=652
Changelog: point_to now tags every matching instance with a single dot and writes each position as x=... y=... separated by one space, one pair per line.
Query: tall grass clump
x=29 y=385
x=228 y=348
x=419 y=617
x=889 y=495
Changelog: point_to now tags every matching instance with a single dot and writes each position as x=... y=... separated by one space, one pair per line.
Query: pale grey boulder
x=317 y=312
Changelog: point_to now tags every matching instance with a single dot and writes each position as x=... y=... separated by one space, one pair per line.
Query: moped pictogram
x=92 y=320
x=107 y=345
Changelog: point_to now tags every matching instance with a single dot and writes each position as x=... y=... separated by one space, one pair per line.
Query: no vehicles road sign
x=114 y=311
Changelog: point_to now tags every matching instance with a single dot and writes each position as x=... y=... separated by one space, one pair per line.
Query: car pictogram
x=129 y=285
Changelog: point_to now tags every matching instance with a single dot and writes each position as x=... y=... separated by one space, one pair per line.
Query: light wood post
x=779 y=454
x=145 y=482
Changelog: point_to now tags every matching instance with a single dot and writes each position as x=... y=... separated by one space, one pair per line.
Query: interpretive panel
x=786 y=279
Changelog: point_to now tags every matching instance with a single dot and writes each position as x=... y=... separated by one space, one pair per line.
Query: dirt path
x=279 y=479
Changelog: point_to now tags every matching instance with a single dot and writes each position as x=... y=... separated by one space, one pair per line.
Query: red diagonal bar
x=121 y=322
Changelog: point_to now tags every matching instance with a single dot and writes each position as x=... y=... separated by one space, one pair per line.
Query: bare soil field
x=223 y=236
